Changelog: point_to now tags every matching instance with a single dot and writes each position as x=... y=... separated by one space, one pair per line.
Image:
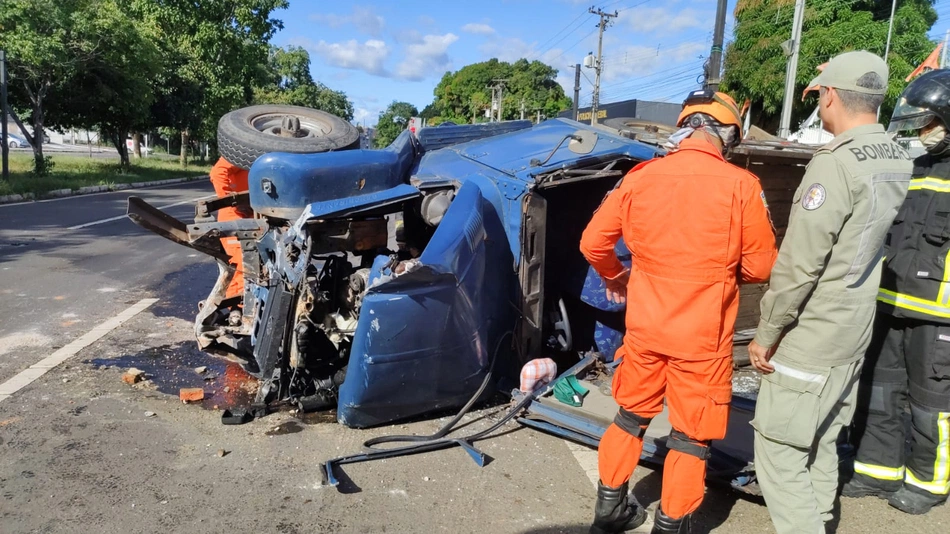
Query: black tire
x=248 y=133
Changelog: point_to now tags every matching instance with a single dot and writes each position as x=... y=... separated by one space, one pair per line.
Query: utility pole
x=577 y=87
x=522 y=109
x=494 y=104
x=5 y=156
x=714 y=74
x=497 y=96
x=946 y=41
x=598 y=66
x=890 y=28
x=792 y=47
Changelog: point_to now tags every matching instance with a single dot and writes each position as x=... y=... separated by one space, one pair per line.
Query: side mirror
x=583 y=142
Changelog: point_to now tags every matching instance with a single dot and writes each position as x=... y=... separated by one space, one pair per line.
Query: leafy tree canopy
x=755 y=62
x=290 y=83
x=393 y=121
x=463 y=96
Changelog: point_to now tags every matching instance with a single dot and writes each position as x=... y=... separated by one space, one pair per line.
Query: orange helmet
x=719 y=106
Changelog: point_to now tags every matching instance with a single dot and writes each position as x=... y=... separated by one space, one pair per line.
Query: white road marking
x=587 y=458
x=40 y=368
x=120 y=217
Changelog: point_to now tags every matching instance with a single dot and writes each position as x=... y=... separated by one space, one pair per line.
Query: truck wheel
x=248 y=133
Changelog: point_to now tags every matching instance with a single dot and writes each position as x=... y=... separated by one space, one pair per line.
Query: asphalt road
x=58 y=282
x=81 y=451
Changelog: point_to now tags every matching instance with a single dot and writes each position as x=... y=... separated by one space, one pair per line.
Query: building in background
x=645 y=110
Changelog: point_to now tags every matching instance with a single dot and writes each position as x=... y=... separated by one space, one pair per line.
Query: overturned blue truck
x=389 y=284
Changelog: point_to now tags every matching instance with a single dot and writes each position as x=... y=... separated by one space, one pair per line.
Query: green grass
x=75 y=171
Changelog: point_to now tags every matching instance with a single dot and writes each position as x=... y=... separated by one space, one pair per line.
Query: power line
x=687 y=74
x=649 y=82
x=564 y=28
x=542 y=52
x=660 y=50
x=664 y=71
x=568 y=49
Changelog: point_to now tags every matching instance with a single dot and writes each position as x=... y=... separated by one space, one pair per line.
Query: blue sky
x=380 y=51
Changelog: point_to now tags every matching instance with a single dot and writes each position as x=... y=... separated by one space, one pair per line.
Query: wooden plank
x=779 y=182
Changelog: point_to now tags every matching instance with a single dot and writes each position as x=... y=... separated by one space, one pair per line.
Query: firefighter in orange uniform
x=228 y=179
x=696 y=227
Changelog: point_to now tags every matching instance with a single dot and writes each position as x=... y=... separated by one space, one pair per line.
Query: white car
x=16 y=141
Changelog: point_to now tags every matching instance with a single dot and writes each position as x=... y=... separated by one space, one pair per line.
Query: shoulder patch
x=835 y=144
x=814 y=197
x=764 y=201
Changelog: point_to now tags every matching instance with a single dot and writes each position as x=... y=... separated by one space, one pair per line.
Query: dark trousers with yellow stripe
x=908 y=362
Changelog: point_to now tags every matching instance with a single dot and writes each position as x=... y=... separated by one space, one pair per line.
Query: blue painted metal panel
x=437 y=137
x=282 y=184
x=350 y=206
x=512 y=153
x=424 y=339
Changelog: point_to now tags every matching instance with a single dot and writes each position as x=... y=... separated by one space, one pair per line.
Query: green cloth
x=569 y=391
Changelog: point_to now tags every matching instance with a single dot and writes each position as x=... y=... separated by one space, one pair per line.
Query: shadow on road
x=179 y=292
x=712 y=514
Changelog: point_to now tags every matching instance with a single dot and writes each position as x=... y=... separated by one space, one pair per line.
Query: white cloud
x=369 y=57
x=508 y=49
x=428 y=58
x=331 y=20
x=478 y=29
x=408 y=36
x=632 y=61
x=364 y=18
x=361 y=114
x=658 y=19
x=367 y=21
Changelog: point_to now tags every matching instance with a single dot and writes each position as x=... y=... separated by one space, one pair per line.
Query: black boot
x=615 y=512
x=911 y=500
x=856 y=488
x=664 y=524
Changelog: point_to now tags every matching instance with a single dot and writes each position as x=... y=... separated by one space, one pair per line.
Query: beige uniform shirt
x=821 y=299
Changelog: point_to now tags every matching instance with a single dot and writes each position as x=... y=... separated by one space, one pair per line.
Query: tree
x=113 y=89
x=290 y=83
x=38 y=38
x=393 y=121
x=463 y=96
x=755 y=62
x=214 y=53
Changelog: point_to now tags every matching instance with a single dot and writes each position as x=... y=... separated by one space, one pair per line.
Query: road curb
x=62 y=193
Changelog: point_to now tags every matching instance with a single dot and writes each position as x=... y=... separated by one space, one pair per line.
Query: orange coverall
x=227 y=179
x=695 y=225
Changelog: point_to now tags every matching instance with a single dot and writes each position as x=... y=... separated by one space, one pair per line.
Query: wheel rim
x=289 y=125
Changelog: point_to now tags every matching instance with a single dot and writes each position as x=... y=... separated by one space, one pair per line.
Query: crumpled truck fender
x=425 y=338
